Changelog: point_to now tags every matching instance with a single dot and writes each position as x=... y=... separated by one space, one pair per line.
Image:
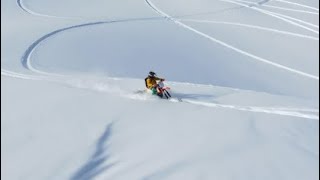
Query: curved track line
x=251 y=26
x=256 y=109
x=295 y=19
x=276 y=7
x=20 y=76
x=20 y=4
x=271 y=14
x=290 y=9
x=297 y=4
x=26 y=58
x=229 y=46
x=283 y=111
x=278 y=111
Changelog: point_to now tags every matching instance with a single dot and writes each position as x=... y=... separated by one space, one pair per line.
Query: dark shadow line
x=94 y=164
x=20 y=5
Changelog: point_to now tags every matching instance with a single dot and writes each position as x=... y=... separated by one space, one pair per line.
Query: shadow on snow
x=94 y=164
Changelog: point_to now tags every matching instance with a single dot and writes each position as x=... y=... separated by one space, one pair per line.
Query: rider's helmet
x=152 y=74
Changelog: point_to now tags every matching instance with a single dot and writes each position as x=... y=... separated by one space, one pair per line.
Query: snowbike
x=163 y=90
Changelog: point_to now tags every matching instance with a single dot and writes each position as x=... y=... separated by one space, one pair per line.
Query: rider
x=151 y=83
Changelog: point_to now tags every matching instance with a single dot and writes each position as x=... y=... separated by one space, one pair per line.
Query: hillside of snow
x=244 y=79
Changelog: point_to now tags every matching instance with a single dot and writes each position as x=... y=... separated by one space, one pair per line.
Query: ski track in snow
x=279 y=111
x=26 y=58
x=27 y=63
x=303 y=113
x=97 y=162
x=278 y=7
x=294 y=10
x=295 y=112
x=276 y=15
x=297 y=4
x=25 y=9
x=20 y=76
x=288 y=17
x=252 y=26
x=230 y=46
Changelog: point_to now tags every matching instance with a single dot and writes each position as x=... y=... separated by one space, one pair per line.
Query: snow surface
x=244 y=76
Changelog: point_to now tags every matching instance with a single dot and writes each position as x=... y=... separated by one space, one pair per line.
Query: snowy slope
x=246 y=72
